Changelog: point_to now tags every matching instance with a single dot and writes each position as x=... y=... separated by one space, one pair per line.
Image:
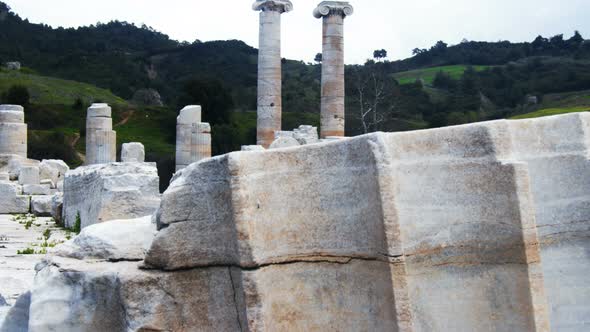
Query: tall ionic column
x=332 y=109
x=269 y=69
x=101 y=140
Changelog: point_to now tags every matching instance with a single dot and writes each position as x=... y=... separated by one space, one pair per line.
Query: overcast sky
x=398 y=26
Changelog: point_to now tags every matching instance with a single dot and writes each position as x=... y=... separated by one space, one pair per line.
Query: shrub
x=17 y=95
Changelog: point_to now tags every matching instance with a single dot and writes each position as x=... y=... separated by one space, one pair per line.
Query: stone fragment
x=253 y=148
x=17 y=319
x=36 y=189
x=29 y=175
x=121 y=297
x=41 y=206
x=12 y=164
x=12 y=200
x=57 y=201
x=284 y=142
x=4 y=177
x=54 y=170
x=133 y=153
x=115 y=240
x=104 y=192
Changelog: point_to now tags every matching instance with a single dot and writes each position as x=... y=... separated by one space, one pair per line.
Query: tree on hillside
x=576 y=40
x=16 y=95
x=318 y=58
x=379 y=54
x=372 y=92
x=418 y=51
x=215 y=100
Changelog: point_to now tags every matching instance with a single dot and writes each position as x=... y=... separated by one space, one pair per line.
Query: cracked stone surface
x=482 y=227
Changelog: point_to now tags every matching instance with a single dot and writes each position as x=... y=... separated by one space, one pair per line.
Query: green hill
x=49 y=90
x=552 y=111
x=428 y=74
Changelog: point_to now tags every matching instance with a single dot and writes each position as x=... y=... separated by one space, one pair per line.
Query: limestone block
x=121 y=297
x=99 y=110
x=36 y=189
x=17 y=319
x=29 y=175
x=189 y=115
x=200 y=142
x=112 y=240
x=104 y=192
x=12 y=201
x=4 y=177
x=48 y=183
x=13 y=139
x=284 y=142
x=57 y=201
x=41 y=206
x=133 y=153
x=253 y=148
x=13 y=163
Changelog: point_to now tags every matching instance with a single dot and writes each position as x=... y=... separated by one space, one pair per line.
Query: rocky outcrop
x=472 y=228
x=147 y=97
x=104 y=192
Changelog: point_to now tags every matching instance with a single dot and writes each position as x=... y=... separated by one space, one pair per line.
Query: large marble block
x=113 y=191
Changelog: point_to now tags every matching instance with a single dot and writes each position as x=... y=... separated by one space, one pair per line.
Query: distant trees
x=318 y=58
x=379 y=54
x=17 y=95
x=214 y=98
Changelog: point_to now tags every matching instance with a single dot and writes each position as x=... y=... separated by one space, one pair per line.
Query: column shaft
x=332 y=108
x=269 y=77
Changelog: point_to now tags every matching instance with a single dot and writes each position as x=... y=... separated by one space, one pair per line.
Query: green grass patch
x=551 y=111
x=428 y=74
x=49 y=90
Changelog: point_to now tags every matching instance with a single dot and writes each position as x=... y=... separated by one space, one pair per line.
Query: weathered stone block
x=36 y=189
x=29 y=175
x=133 y=153
x=12 y=200
x=41 y=205
x=109 y=192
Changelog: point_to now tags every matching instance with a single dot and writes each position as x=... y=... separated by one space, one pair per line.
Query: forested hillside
x=442 y=85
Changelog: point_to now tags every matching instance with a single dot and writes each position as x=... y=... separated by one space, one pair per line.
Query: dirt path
x=126 y=117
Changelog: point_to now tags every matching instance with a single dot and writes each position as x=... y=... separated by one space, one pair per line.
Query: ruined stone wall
x=482 y=227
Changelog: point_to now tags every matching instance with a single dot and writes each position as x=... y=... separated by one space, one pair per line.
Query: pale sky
x=395 y=25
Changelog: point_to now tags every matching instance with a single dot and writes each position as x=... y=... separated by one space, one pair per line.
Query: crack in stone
x=235 y=294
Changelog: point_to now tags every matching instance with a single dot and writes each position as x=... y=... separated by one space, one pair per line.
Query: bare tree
x=374 y=97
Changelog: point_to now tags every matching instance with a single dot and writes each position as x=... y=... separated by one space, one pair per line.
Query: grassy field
x=428 y=74
x=552 y=111
x=48 y=90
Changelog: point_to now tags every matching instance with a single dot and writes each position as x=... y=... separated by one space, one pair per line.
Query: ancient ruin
x=332 y=110
x=132 y=153
x=13 y=131
x=101 y=140
x=193 y=137
x=471 y=228
x=269 y=69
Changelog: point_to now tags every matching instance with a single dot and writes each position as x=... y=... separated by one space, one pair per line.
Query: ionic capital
x=281 y=6
x=326 y=8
